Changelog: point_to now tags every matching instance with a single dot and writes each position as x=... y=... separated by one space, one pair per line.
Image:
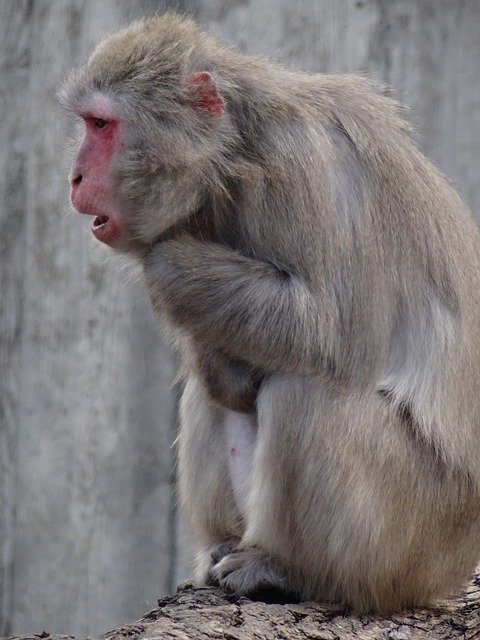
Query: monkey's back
x=372 y=209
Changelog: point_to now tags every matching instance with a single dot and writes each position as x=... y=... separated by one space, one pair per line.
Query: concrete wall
x=89 y=530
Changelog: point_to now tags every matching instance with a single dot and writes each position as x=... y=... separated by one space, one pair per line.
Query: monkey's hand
x=232 y=383
x=250 y=310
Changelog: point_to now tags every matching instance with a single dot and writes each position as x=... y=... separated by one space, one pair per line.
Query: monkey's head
x=156 y=130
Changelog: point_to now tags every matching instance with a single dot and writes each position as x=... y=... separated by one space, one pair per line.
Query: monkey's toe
x=249 y=572
x=222 y=549
x=210 y=556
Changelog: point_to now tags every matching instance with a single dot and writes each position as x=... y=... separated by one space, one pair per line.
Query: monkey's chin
x=107 y=229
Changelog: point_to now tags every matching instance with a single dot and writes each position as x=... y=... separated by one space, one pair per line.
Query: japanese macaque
x=322 y=280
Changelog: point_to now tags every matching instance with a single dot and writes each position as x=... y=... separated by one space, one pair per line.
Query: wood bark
x=210 y=613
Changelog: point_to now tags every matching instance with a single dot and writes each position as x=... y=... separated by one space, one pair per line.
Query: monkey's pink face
x=137 y=191
x=92 y=188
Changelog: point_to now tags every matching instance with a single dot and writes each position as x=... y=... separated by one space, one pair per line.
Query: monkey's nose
x=76 y=180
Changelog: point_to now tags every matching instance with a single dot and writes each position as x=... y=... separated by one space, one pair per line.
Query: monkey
x=321 y=279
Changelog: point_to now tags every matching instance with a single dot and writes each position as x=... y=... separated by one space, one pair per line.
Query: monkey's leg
x=206 y=491
x=257 y=566
x=246 y=570
x=347 y=506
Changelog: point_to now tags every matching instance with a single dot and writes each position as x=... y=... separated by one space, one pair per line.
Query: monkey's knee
x=252 y=572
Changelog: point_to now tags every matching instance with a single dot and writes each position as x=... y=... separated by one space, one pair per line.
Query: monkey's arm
x=231 y=382
x=251 y=310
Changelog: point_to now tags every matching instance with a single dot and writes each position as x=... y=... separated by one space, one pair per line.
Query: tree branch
x=209 y=613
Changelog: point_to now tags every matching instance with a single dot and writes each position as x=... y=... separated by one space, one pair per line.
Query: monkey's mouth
x=106 y=229
x=99 y=221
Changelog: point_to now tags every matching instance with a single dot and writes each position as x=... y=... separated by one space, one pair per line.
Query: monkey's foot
x=251 y=572
x=222 y=549
x=210 y=556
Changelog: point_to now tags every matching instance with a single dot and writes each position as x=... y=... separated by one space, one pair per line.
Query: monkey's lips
x=106 y=229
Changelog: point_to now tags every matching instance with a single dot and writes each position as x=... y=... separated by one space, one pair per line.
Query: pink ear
x=205 y=96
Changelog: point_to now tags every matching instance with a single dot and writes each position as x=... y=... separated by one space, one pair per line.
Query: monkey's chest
x=240 y=436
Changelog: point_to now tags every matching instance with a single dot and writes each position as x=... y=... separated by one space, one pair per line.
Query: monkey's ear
x=204 y=95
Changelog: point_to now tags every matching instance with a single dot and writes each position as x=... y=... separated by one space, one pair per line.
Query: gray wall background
x=89 y=531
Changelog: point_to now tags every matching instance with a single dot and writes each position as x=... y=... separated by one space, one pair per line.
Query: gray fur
x=317 y=270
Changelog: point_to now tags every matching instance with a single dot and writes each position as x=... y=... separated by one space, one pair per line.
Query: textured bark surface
x=206 y=614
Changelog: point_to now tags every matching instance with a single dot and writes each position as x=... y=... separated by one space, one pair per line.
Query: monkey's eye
x=99 y=123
